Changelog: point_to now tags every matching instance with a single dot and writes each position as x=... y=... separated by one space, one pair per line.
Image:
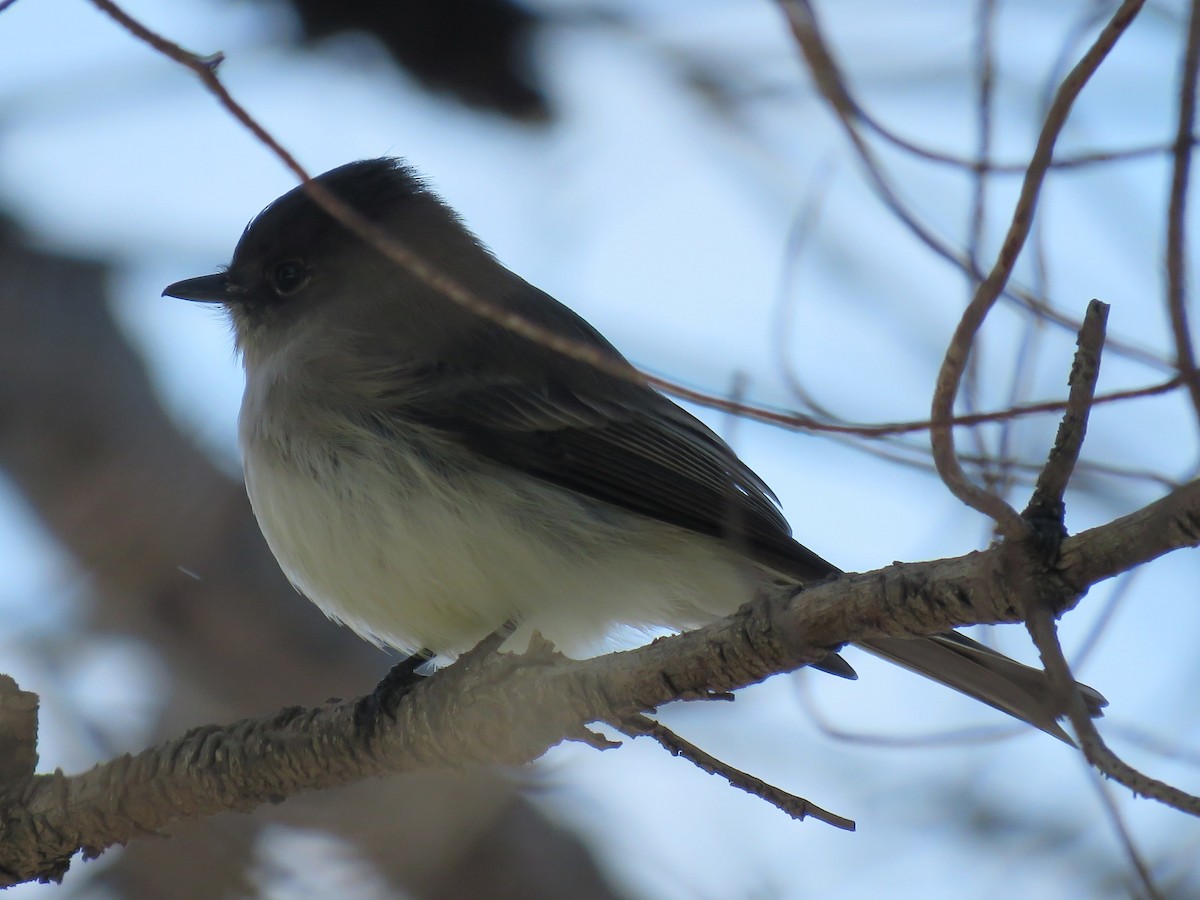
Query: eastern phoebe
x=425 y=475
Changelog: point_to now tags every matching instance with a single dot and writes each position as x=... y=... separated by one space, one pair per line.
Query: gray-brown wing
x=633 y=449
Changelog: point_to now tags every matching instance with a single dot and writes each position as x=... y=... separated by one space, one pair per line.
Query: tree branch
x=1185 y=357
x=506 y=709
x=797 y=807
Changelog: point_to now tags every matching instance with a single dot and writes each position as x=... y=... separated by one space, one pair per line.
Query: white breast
x=417 y=550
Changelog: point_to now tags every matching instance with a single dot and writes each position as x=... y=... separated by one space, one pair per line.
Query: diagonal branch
x=638 y=725
x=1044 y=631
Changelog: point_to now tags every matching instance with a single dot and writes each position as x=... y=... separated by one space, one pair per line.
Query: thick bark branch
x=505 y=709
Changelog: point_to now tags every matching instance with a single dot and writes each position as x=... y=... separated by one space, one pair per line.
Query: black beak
x=205 y=289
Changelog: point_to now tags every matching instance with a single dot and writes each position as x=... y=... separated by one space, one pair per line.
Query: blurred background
x=670 y=172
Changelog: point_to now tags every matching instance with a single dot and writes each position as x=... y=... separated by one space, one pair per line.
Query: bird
x=426 y=475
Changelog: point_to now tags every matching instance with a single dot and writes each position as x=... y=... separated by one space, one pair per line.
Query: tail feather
x=990 y=677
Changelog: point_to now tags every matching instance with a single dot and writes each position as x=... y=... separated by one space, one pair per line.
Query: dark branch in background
x=1185 y=357
x=988 y=473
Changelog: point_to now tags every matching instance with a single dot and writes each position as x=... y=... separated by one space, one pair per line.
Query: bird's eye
x=288 y=277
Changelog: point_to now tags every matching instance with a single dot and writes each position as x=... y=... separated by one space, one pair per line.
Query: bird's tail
x=990 y=677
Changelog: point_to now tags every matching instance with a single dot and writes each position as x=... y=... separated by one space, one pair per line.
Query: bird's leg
x=400 y=679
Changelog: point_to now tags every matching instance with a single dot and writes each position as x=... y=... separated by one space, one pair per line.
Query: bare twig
x=1185 y=357
x=1046 y=510
x=797 y=807
x=954 y=363
x=1140 y=868
x=1044 y=631
x=1047 y=499
x=1076 y=161
x=978 y=212
x=828 y=79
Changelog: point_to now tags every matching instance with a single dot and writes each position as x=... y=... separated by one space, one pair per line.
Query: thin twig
x=1046 y=504
x=793 y=420
x=1046 y=509
x=1076 y=161
x=975 y=227
x=1185 y=357
x=949 y=377
x=831 y=84
x=1140 y=868
x=1044 y=632
x=638 y=725
x=1047 y=499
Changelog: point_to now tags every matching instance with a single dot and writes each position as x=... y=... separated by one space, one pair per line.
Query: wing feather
x=622 y=444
